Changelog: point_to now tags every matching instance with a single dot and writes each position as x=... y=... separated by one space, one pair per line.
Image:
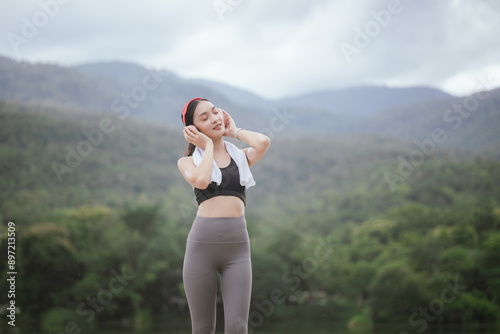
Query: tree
x=50 y=266
x=395 y=293
x=490 y=265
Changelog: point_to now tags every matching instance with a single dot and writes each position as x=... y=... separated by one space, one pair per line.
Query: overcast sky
x=272 y=48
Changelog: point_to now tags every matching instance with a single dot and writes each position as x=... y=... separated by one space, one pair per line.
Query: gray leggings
x=218 y=245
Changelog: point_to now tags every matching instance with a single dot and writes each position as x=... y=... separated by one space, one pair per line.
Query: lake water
x=345 y=331
x=326 y=330
x=323 y=331
x=336 y=331
x=289 y=328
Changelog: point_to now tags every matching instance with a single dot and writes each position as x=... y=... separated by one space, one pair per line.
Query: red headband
x=184 y=110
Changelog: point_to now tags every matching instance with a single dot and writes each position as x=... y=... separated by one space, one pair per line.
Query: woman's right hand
x=195 y=137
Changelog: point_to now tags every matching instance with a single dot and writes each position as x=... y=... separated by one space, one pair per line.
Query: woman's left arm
x=258 y=142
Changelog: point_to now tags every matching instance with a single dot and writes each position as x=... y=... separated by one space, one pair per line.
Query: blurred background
x=376 y=209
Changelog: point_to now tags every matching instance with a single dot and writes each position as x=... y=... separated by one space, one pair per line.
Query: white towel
x=246 y=177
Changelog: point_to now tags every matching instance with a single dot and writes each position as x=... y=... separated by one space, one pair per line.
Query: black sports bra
x=230 y=185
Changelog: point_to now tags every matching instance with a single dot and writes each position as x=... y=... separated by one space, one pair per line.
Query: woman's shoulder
x=233 y=149
x=184 y=160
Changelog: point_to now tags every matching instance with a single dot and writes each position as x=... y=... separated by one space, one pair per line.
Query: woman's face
x=208 y=119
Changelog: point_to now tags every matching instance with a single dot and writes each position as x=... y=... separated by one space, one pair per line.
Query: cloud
x=273 y=49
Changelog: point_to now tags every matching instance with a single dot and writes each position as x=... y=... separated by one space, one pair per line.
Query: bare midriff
x=222 y=206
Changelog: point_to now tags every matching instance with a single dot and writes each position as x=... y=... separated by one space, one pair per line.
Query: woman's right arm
x=198 y=177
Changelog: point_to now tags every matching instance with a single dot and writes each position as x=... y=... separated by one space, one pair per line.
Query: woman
x=218 y=242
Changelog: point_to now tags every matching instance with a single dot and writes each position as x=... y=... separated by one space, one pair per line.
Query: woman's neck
x=219 y=146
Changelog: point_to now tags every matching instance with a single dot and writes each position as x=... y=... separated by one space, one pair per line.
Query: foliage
x=105 y=246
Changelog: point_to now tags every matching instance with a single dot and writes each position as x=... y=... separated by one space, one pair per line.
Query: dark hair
x=189 y=121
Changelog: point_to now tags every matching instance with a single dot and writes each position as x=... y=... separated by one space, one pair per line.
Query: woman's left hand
x=229 y=125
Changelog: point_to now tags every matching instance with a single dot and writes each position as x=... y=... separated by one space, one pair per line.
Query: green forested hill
x=113 y=87
x=46 y=83
x=330 y=234
x=412 y=113
x=37 y=143
x=469 y=122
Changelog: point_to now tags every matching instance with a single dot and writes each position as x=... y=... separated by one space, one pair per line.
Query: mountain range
x=410 y=113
